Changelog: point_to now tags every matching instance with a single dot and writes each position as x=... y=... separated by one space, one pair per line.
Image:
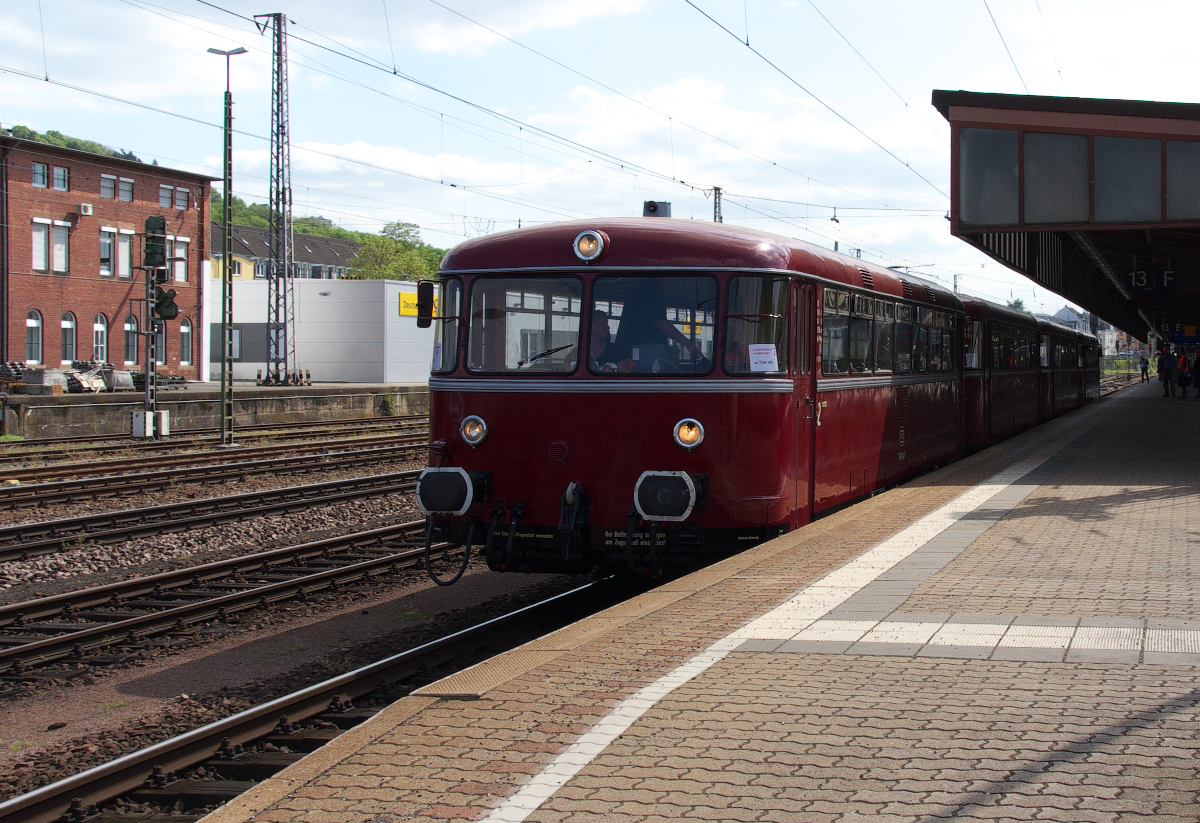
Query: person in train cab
x=1183 y=373
x=1145 y=366
x=1166 y=371
x=644 y=324
x=601 y=354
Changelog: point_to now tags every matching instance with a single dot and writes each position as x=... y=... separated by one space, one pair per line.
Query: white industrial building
x=351 y=331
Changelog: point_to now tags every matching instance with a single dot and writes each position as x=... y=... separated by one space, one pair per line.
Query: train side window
x=904 y=339
x=756 y=325
x=920 y=349
x=861 y=310
x=1043 y=351
x=973 y=344
x=448 y=305
x=949 y=350
x=835 y=355
x=885 y=318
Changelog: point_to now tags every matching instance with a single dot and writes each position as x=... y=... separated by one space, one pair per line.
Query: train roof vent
x=908 y=289
x=929 y=294
x=867 y=280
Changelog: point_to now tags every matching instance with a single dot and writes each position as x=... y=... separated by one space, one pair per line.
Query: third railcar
x=643 y=393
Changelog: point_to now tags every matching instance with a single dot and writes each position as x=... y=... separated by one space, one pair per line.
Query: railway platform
x=1012 y=637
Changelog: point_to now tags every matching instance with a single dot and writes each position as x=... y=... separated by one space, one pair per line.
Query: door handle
x=808 y=408
x=818 y=415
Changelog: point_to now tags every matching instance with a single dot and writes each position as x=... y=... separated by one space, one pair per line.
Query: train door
x=805 y=397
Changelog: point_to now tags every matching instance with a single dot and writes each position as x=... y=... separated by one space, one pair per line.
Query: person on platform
x=1183 y=373
x=1145 y=366
x=1166 y=371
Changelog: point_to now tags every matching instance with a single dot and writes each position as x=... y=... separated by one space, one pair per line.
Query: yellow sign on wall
x=408 y=304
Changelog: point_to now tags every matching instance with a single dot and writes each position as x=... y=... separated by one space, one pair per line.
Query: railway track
x=198 y=438
x=104 y=478
x=47 y=537
x=243 y=749
x=107 y=624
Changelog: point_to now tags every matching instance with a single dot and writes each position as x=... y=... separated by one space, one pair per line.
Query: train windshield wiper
x=540 y=355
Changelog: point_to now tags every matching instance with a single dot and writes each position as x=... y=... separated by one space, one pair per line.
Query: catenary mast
x=281 y=323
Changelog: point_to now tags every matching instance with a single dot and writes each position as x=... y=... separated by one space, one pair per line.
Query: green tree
x=1017 y=304
x=383 y=258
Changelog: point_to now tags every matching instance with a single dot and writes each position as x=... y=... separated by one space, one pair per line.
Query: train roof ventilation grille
x=867 y=280
x=929 y=295
x=908 y=289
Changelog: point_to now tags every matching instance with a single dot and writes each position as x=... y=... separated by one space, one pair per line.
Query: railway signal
x=164 y=303
x=154 y=255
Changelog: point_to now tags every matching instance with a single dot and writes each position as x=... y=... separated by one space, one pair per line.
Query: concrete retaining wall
x=38 y=418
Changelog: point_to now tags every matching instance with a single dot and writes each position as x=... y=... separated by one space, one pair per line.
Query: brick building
x=73 y=224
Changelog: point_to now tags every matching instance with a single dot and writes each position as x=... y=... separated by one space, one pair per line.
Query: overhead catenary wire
x=862 y=57
x=825 y=105
x=647 y=106
x=1005 y=44
x=375 y=64
x=299 y=146
x=1050 y=43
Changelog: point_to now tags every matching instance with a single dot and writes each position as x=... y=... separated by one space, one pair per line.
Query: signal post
x=160 y=306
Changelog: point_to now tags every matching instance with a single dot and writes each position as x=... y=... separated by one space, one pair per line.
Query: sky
x=468 y=117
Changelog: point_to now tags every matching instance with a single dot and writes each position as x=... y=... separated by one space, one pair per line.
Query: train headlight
x=589 y=246
x=689 y=433
x=474 y=430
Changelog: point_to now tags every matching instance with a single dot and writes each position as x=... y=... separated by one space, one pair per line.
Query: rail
x=129 y=611
x=47 y=537
x=223 y=738
x=102 y=480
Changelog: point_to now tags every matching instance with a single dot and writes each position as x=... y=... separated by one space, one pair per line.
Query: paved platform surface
x=1013 y=637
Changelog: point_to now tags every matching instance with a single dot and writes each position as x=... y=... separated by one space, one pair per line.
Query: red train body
x=645 y=393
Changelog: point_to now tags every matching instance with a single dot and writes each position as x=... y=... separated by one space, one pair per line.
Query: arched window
x=100 y=339
x=185 y=342
x=131 y=340
x=33 y=338
x=68 y=338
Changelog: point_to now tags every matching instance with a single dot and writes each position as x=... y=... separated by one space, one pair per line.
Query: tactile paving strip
x=935 y=635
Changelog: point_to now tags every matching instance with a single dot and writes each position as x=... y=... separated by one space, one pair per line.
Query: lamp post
x=226 y=261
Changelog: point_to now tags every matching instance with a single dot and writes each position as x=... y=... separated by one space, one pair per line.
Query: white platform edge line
x=802 y=610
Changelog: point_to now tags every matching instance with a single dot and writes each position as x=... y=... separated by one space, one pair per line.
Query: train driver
x=601 y=356
x=644 y=323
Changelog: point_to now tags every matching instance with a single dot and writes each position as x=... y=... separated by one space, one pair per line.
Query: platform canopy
x=1096 y=200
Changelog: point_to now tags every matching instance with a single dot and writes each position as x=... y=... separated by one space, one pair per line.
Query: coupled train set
x=643 y=394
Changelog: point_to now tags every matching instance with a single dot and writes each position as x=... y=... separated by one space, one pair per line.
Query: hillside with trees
x=55 y=138
x=396 y=253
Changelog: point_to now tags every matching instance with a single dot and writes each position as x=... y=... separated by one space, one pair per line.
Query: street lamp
x=226 y=261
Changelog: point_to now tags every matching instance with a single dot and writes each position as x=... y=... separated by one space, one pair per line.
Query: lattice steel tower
x=281 y=321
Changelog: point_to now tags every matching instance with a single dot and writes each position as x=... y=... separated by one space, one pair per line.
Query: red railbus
x=652 y=393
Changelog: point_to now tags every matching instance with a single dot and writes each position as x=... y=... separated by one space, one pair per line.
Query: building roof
x=943 y=100
x=107 y=159
x=251 y=241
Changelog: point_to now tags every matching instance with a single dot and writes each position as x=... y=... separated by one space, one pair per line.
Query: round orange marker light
x=474 y=430
x=689 y=433
x=589 y=245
